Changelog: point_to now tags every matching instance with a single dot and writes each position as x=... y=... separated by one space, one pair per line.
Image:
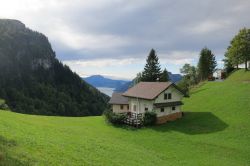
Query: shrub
x=114 y=118
x=3 y=105
x=149 y=118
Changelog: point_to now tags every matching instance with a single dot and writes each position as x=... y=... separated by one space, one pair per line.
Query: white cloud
x=179 y=57
x=208 y=26
x=119 y=33
x=77 y=40
x=174 y=57
x=99 y=63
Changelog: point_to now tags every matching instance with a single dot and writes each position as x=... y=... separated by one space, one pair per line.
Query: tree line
x=238 y=51
x=191 y=75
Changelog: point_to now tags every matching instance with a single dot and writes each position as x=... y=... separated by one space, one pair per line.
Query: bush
x=149 y=118
x=3 y=106
x=114 y=118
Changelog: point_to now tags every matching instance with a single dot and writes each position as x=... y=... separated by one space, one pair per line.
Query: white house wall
x=242 y=66
x=167 y=111
x=117 y=108
x=176 y=95
x=141 y=104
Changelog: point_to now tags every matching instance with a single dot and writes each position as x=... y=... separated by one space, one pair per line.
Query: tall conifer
x=152 y=69
x=206 y=64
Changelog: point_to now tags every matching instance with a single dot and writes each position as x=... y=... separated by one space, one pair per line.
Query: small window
x=169 y=96
x=173 y=108
x=162 y=109
x=146 y=109
x=121 y=107
x=128 y=107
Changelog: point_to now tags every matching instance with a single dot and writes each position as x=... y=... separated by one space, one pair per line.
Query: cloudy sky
x=114 y=37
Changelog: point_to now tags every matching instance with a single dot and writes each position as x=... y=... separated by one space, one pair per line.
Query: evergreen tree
x=206 y=64
x=164 y=76
x=152 y=69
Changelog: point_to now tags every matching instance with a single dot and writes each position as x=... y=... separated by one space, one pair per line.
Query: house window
x=121 y=107
x=128 y=107
x=162 y=109
x=146 y=109
x=167 y=96
x=173 y=108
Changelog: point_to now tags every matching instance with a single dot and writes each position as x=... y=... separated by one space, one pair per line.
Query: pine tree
x=152 y=69
x=164 y=76
x=206 y=64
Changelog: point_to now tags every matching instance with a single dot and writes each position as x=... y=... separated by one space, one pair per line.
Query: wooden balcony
x=134 y=119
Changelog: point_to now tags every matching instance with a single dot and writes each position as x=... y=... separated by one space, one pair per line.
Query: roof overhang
x=168 y=104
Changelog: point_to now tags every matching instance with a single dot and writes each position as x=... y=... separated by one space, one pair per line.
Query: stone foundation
x=170 y=117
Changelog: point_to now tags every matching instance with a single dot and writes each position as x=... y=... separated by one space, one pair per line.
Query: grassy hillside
x=214 y=131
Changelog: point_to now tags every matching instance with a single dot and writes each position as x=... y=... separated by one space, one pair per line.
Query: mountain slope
x=174 y=77
x=214 y=131
x=33 y=81
x=100 y=81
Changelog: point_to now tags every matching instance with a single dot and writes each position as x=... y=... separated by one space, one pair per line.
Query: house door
x=134 y=108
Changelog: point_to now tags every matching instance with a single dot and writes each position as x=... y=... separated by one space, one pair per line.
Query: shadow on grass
x=194 y=123
x=5 y=157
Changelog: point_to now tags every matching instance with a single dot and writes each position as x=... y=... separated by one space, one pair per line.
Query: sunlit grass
x=214 y=131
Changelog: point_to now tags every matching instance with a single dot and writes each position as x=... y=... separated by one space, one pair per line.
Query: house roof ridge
x=147 y=90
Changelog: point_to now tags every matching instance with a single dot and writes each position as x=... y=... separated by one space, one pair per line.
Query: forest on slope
x=34 y=81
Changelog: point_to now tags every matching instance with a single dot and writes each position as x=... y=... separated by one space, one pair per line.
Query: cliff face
x=33 y=81
x=19 y=44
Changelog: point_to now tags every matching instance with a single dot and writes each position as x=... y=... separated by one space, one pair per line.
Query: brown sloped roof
x=147 y=90
x=117 y=98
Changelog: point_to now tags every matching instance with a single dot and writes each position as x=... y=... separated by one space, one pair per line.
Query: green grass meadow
x=215 y=130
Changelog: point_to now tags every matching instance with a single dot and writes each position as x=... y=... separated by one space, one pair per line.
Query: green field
x=214 y=131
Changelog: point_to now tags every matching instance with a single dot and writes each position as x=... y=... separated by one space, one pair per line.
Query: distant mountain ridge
x=174 y=77
x=101 y=81
x=120 y=85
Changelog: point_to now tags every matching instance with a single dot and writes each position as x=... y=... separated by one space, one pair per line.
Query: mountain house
x=242 y=65
x=164 y=98
x=219 y=74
